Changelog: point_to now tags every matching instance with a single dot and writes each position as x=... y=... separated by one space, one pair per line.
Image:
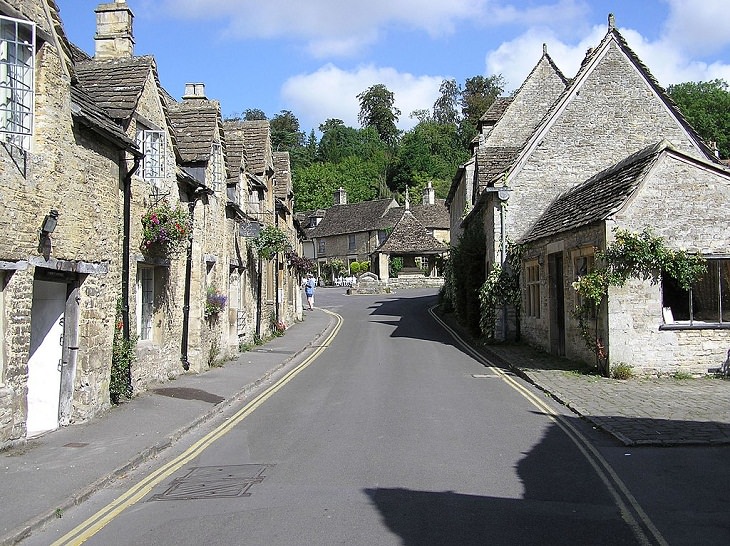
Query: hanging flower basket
x=215 y=302
x=165 y=228
x=270 y=241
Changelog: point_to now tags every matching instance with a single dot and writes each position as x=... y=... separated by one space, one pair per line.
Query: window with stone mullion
x=17 y=84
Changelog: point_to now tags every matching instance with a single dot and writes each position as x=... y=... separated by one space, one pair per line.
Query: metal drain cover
x=215 y=482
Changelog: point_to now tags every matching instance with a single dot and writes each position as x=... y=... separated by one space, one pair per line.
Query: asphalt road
x=395 y=435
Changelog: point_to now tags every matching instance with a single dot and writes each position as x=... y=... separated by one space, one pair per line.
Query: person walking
x=309 y=285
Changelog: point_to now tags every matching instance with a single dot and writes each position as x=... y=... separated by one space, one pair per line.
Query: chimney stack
x=341 y=196
x=194 y=91
x=113 y=39
x=429 y=195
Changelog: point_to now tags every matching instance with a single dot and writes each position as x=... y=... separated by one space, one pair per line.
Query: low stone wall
x=405 y=283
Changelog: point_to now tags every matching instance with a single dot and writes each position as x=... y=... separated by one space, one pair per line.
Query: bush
x=622 y=371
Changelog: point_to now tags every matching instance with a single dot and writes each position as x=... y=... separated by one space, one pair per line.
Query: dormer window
x=152 y=144
x=17 y=85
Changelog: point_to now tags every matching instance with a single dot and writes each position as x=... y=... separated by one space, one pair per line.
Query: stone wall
x=614 y=114
x=73 y=171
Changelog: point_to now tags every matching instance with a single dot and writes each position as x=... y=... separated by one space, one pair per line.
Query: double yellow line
x=98 y=521
x=631 y=512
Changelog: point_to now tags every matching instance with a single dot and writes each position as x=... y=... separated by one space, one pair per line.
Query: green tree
x=337 y=142
x=706 y=105
x=377 y=109
x=477 y=96
x=445 y=109
x=285 y=132
x=429 y=152
x=254 y=114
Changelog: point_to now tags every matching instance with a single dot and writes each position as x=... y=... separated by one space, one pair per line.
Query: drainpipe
x=258 y=298
x=126 y=241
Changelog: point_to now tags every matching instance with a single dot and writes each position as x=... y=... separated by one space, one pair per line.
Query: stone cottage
x=128 y=88
x=655 y=328
x=63 y=162
x=201 y=146
x=612 y=109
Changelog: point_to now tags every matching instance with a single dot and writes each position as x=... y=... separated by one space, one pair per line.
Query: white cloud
x=331 y=92
x=331 y=27
x=665 y=57
x=699 y=27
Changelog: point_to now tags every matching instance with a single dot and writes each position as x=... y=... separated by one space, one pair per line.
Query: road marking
x=616 y=487
x=98 y=521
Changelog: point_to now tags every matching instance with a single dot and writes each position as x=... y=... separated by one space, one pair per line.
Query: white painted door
x=44 y=364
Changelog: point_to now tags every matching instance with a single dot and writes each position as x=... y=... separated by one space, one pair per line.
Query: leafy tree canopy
x=377 y=109
x=285 y=132
x=706 y=106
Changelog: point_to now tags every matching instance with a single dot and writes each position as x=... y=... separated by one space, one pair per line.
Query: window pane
x=706 y=294
x=675 y=298
x=147 y=284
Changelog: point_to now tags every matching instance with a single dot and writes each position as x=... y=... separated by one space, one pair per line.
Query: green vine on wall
x=501 y=288
x=642 y=256
x=123 y=356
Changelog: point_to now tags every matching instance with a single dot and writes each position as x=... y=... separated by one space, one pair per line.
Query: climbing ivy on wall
x=465 y=275
x=642 y=256
x=501 y=288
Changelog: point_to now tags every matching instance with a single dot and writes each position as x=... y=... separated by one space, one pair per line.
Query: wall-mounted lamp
x=50 y=222
x=44 y=238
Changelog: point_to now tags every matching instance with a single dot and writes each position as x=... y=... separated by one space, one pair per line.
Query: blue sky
x=314 y=56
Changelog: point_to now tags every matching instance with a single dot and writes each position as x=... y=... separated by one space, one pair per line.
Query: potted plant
x=215 y=302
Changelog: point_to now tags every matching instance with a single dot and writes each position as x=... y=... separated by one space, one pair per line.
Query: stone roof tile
x=195 y=123
x=597 y=198
x=354 y=218
x=117 y=84
x=409 y=236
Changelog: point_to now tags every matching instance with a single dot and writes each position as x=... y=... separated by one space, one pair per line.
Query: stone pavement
x=639 y=411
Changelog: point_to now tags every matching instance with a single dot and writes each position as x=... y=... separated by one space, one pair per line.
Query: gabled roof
x=195 y=122
x=410 y=237
x=256 y=138
x=612 y=36
x=87 y=112
x=492 y=161
x=434 y=216
x=282 y=175
x=599 y=197
x=235 y=149
x=495 y=111
x=117 y=84
x=353 y=218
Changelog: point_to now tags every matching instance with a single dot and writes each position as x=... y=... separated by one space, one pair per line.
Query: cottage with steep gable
x=161 y=193
x=611 y=109
x=657 y=328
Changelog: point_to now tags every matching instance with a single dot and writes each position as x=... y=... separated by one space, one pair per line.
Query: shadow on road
x=563 y=502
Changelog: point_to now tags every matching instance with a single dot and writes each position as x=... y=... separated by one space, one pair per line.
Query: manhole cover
x=215 y=482
x=75 y=444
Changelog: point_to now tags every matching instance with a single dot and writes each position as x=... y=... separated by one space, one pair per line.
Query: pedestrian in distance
x=309 y=284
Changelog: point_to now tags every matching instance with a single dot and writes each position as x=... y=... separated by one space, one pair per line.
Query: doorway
x=557 y=304
x=46 y=352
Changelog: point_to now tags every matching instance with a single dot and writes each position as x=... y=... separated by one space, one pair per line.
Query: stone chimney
x=341 y=196
x=114 y=39
x=194 y=91
x=429 y=195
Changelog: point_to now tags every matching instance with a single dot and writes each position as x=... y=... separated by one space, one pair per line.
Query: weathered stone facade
x=102 y=154
x=75 y=171
x=611 y=116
